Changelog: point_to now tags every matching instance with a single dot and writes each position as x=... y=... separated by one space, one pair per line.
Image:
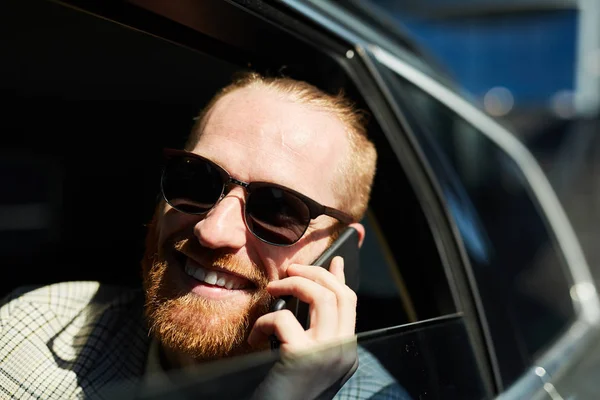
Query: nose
x=223 y=226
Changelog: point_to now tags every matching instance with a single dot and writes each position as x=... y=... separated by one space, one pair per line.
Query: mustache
x=220 y=259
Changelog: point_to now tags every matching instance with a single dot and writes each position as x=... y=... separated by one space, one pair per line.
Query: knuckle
x=295 y=266
x=296 y=283
x=352 y=294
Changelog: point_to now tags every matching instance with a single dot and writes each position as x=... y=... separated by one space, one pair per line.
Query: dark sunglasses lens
x=276 y=216
x=191 y=185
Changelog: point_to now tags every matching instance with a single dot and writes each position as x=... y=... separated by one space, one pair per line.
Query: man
x=240 y=222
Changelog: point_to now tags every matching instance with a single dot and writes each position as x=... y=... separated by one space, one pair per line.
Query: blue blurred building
x=527 y=47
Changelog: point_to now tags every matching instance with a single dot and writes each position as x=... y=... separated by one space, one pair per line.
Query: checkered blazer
x=72 y=340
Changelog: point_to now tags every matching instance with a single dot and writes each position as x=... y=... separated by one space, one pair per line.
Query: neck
x=170 y=359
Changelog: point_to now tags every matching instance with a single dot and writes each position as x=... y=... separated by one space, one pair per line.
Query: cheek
x=314 y=250
x=172 y=222
x=277 y=259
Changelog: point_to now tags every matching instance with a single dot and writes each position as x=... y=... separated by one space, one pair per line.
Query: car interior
x=92 y=97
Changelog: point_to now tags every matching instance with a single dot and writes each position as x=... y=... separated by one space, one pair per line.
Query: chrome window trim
x=536 y=382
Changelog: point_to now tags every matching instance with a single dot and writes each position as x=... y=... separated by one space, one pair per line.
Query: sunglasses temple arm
x=337 y=214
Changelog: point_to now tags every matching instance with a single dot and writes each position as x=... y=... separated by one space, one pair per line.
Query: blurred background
x=534 y=65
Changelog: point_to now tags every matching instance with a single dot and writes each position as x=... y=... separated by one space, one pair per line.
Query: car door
x=537 y=302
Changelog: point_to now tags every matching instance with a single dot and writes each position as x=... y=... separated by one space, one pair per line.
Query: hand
x=316 y=361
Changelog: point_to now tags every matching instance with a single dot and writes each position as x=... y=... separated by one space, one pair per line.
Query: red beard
x=189 y=324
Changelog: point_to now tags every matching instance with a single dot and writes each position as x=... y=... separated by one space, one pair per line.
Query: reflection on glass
x=406 y=362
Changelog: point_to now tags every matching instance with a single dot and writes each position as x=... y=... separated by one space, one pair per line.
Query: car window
x=390 y=292
x=519 y=269
x=423 y=358
x=383 y=300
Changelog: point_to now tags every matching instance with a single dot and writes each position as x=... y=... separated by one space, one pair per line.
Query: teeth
x=211 y=277
x=199 y=274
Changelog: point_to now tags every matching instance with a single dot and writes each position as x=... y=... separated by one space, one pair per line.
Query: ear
x=361 y=232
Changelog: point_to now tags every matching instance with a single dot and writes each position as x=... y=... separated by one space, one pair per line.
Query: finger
x=319 y=275
x=324 y=318
x=337 y=269
x=282 y=324
x=346 y=298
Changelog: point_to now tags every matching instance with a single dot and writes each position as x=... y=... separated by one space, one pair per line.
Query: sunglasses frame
x=315 y=208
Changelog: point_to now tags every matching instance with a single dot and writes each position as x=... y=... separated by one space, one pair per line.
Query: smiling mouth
x=211 y=277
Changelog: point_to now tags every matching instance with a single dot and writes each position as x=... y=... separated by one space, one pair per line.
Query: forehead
x=258 y=134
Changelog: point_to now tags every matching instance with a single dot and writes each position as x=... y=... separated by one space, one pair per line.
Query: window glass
x=519 y=269
x=423 y=358
x=417 y=361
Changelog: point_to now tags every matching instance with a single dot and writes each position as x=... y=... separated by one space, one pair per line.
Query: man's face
x=256 y=135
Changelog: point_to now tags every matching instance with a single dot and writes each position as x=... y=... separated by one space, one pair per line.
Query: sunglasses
x=273 y=213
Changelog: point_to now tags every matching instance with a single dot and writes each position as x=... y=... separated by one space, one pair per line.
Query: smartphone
x=346 y=246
